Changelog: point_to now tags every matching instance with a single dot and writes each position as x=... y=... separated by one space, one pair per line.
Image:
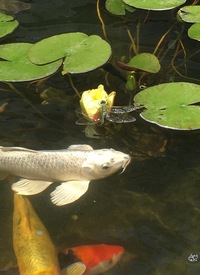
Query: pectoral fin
x=74 y=269
x=30 y=187
x=69 y=192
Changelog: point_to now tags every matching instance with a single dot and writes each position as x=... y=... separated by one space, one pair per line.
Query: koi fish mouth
x=125 y=163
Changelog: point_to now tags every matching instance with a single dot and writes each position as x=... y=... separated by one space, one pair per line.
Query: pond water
x=153 y=208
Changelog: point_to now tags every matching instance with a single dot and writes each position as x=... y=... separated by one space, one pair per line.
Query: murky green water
x=153 y=208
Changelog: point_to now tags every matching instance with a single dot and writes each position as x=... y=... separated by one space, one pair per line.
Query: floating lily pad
x=7 y=24
x=171 y=105
x=155 y=4
x=82 y=53
x=15 y=65
x=190 y=14
x=194 y=31
x=146 y=62
x=117 y=7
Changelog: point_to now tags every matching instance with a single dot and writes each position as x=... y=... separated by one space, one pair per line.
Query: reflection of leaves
x=56 y=96
x=21 y=124
x=144 y=205
x=146 y=144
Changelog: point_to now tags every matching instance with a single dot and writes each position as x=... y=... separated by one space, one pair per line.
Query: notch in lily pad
x=15 y=66
x=118 y=7
x=7 y=24
x=190 y=14
x=171 y=105
x=81 y=53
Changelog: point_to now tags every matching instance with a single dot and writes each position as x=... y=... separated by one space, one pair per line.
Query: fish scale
x=35 y=253
x=44 y=165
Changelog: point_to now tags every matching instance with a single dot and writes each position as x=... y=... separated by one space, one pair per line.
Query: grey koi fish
x=74 y=167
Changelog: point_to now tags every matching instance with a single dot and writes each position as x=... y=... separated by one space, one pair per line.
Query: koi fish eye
x=105 y=166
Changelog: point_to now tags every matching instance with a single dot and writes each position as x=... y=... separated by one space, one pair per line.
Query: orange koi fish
x=97 y=258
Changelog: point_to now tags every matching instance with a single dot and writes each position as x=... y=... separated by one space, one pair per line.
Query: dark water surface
x=153 y=208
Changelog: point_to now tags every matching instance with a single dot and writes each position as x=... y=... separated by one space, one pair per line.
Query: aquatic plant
x=78 y=51
x=155 y=4
x=7 y=24
x=92 y=100
x=171 y=105
x=97 y=107
x=118 y=7
x=191 y=14
x=25 y=61
x=16 y=66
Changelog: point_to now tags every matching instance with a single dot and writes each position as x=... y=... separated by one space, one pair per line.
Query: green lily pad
x=171 y=105
x=7 y=24
x=155 y=4
x=190 y=14
x=82 y=53
x=118 y=7
x=15 y=65
x=194 y=31
x=146 y=62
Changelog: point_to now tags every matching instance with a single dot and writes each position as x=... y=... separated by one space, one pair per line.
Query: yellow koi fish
x=35 y=252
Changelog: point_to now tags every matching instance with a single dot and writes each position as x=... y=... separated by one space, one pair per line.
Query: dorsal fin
x=15 y=149
x=80 y=147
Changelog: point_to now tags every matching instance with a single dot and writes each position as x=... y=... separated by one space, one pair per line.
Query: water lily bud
x=92 y=100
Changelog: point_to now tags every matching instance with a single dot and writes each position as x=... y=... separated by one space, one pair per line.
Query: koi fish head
x=104 y=162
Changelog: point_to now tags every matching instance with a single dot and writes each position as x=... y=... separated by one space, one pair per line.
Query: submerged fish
x=97 y=258
x=33 y=246
x=13 y=6
x=75 y=167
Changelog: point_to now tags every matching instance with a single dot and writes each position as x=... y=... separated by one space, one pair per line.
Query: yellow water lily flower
x=95 y=101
